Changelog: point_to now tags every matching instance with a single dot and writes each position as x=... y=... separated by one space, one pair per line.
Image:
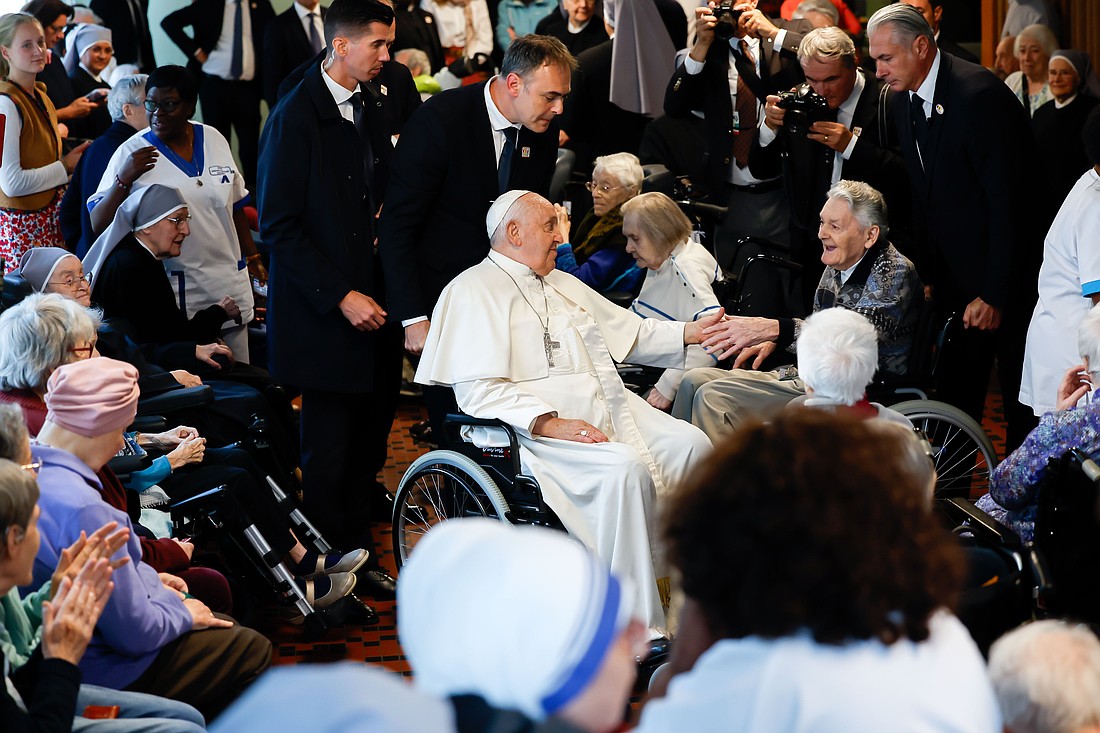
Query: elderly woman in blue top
x=143 y=640
x=678 y=277
x=1014 y=485
x=596 y=254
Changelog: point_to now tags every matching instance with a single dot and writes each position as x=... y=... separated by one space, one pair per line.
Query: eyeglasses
x=73 y=282
x=32 y=467
x=179 y=221
x=81 y=349
x=592 y=187
x=168 y=106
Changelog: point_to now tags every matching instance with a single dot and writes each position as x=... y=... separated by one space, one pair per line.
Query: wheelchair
x=462 y=480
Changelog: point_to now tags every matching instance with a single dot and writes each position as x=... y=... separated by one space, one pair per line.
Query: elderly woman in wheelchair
x=1015 y=485
x=679 y=273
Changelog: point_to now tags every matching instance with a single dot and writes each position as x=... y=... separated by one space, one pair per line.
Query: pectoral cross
x=549 y=346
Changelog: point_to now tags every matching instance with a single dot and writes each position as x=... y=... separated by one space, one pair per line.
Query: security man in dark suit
x=292 y=38
x=847 y=141
x=932 y=10
x=129 y=24
x=325 y=309
x=226 y=45
x=729 y=81
x=459 y=151
x=963 y=135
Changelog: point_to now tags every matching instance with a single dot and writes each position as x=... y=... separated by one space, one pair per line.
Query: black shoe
x=377 y=584
x=360 y=613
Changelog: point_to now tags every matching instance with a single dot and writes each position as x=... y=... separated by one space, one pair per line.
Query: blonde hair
x=660 y=218
x=9 y=25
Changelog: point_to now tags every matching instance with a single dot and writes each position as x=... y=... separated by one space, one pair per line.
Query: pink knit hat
x=92 y=397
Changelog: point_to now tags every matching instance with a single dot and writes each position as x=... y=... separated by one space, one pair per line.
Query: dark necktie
x=139 y=26
x=314 y=36
x=236 y=64
x=746 y=109
x=504 y=169
x=368 y=150
x=920 y=123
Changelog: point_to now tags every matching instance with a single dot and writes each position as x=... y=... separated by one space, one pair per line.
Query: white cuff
x=693 y=67
x=408 y=322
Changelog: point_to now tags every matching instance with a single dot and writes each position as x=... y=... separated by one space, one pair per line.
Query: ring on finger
x=584 y=433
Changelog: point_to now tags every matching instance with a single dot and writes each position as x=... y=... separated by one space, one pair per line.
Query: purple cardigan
x=142 y=615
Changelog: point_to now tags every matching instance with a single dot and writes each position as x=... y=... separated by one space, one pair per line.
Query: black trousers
x=235 y=105
x=962 y=377
x=345 y=443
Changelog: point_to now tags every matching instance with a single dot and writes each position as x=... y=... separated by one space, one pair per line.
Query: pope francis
x=533 y=346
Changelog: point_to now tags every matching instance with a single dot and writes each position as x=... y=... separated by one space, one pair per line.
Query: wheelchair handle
x=1088 y=466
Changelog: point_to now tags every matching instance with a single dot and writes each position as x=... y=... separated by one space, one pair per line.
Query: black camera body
x=727 y=19
x=804 y=107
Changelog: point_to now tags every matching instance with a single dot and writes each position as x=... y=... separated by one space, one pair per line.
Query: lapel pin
x=385 y=92
x=857 y=131
x=939 y=109
x=525 y=152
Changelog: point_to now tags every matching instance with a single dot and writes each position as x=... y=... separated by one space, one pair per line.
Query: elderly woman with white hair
x=1034 y=46
x=678 y=277
x=562 y=652
x=89 y=53
x=596 y=254
x=1014 y=484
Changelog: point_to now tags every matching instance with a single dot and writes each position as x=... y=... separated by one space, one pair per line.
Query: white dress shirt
x=219 y=60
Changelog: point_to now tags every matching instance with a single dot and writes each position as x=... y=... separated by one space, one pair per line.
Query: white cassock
x=680 y=290
x=486 y=341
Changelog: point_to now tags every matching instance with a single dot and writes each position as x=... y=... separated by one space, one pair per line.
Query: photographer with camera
x=739 y=57
x=829 y=128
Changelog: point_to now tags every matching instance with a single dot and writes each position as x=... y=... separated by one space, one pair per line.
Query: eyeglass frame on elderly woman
x=604 y=189
x=72 y=283
x=179 y=221
x=80 y=349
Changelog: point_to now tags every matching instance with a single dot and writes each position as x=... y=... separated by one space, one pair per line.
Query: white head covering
x=80 y=40
x=141 y=210
x=642 y=58
x=500 y=209
x=520 y=616
x=40 y=263
x=347 y=697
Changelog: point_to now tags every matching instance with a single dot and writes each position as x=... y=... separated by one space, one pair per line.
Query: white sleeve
x=483 y=27
x=15 y=180
x=501 y=400
x=693 y=67
x=659 y=344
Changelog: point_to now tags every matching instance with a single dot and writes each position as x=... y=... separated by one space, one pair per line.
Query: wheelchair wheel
x=438 y=486
x=964 y=455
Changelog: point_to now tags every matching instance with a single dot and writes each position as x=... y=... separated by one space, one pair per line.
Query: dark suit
x=226 y=104
x=592 y=35
x=807 y=169
x=443 y=181
x=980 y=218
x=595 y=125
x=416 y=29
x=132 y=43
x=709 y=92
x=317 y=221
x=286 y=46
x=948 y=46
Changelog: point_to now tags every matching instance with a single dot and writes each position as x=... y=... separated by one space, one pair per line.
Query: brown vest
x=39 y=143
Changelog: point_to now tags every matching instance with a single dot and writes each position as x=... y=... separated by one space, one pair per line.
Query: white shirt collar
x=513 y=268
x=496 y=118
x=927 y=89
x=1059 y=105
x=97 y=77
x=302 y=12
x=576 y=28
x=848 y=107
x=338 y=92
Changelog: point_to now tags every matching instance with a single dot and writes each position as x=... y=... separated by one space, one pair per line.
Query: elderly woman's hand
x=186 y=378
x=723 y=340
x=173 y=437
x=103 y=543
x=189 y=451
x=563 y=221
x=232 y=310
x=70 y=618
x=1076 y=383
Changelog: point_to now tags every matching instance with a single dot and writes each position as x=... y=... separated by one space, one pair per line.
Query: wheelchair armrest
x=621 y=298
x=175 y=400
x=982 y=524
x=148 y=424
x=707 y=212
x=453 y=421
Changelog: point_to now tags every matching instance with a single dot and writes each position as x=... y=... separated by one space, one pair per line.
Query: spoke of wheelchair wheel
x=947 y=472
x=435 y=497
